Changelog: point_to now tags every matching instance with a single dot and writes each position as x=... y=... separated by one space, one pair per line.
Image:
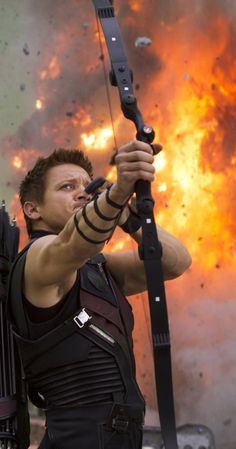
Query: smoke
x=185 y=84
x=191 y=55
x=65 y=32
x=67 y=76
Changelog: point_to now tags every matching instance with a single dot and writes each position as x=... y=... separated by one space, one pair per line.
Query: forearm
x=175 y=257
x=85 y=233
x=93 y=225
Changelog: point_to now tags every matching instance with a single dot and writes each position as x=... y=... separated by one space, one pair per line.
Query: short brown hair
x=32 y=188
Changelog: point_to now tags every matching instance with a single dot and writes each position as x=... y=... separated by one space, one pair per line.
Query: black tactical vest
x=84 y=355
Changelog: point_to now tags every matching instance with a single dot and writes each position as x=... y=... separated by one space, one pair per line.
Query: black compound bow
x=149 y=250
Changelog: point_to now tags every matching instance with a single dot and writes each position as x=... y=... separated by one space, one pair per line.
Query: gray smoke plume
x=65 y=31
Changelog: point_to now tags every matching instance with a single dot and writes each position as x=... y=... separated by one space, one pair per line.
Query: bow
x=149 y=250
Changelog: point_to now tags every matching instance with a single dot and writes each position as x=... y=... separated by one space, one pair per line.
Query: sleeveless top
x=67 y=365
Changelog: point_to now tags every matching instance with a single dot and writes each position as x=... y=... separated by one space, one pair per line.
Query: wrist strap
x=100 y=214
x=91 y=225
x=111 y=202
x=85 y=236
x=132 y=224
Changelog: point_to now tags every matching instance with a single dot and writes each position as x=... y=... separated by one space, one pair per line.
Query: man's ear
x=31 y=210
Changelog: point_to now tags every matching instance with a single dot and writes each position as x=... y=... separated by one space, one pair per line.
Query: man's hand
x=134 y=162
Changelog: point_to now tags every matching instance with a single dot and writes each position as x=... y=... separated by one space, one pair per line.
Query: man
x=73 y=323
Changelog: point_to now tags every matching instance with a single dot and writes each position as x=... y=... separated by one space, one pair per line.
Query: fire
x=189 y=100
x=162 y=187
x=160 y=162
x=135 y=6
x=22 y=158
x=111 y=175
x=193 y=186
x=53 y=70
x=16 y=212
x=97 y=140
x=17 y=162
x=119 y=245
x=38 y=104
x=185 y=85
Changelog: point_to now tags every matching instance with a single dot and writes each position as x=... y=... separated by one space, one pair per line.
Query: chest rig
x=84 y=354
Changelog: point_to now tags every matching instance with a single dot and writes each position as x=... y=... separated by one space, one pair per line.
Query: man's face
x=64 y=195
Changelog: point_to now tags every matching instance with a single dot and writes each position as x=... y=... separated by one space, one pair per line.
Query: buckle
x=120 y=423
x=82 y=318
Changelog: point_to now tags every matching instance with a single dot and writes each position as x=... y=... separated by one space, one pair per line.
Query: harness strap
x=132 y=389
x=15 y=309
x=34 y=349
x=7 y=407
x=90 y=331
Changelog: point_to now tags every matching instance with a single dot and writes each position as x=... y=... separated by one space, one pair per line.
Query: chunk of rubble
x=143 y=41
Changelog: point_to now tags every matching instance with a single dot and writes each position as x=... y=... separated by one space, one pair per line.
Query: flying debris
x=26 y=50
x=85 y=25
x=186 y=77
x=143 y=41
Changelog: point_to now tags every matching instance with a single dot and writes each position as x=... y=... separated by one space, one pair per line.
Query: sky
x=16 y=72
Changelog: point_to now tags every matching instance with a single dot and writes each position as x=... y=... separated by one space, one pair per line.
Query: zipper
x=102 y=334
x=99 y=264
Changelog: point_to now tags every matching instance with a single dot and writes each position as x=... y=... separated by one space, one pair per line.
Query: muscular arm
x=128 y=269
x=52 y=261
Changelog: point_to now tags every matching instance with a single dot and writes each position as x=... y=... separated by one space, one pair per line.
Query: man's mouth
x=80 y=206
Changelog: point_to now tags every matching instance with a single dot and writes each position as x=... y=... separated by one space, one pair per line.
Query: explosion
x=194 y=119
x=185 y=85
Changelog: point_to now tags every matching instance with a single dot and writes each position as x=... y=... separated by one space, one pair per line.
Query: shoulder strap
x=15 y=308
x=99 y=258
x=16 y=312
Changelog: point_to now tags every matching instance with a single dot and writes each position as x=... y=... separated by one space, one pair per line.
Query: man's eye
x=67 y=186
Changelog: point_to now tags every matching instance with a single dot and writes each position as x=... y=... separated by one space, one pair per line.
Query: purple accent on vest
x=7 y=407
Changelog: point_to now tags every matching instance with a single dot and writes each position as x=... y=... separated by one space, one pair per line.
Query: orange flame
x=99 y=139
x=193 y=117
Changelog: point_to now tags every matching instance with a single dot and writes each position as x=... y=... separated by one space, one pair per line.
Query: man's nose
x=83 y=195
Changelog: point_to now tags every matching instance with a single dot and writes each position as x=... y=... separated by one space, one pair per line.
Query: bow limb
x=149 y=250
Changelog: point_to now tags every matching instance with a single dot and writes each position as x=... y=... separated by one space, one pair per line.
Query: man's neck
x=36 y=233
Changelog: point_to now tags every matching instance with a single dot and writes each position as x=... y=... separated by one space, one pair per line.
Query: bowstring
x=106 y=85
x=140 y=295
